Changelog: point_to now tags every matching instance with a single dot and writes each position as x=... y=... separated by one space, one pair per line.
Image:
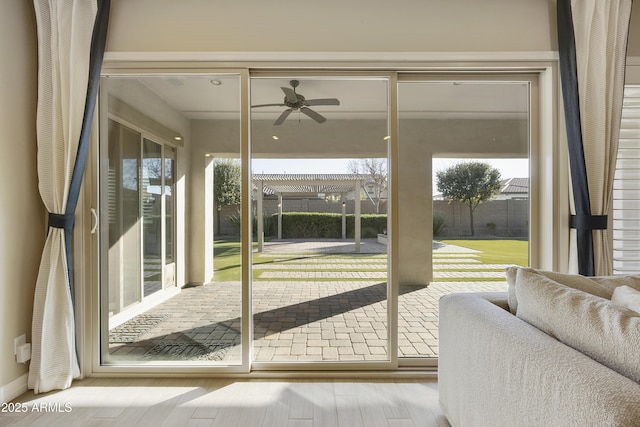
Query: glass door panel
x=320 y=264
x=152 y=216
x=166 y=133
x=125 y=227
x=169 y=217
x=458 y=138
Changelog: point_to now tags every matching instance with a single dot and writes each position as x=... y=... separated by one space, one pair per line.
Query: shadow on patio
x=294 y=319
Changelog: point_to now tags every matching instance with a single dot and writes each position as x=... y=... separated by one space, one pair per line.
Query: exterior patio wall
x=511 y=218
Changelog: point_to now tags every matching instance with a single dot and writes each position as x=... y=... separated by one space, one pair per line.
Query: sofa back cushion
x=608 y=333
x=628 y=297
x=602 y=286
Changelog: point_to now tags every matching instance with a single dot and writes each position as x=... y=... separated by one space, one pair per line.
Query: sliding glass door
x=465 y=146
x=139 y=205
x=124 y=193
x=300 y=220
x=320 y=266
x=162 y=197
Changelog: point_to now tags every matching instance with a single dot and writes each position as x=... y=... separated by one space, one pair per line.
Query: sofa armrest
x=495 y=369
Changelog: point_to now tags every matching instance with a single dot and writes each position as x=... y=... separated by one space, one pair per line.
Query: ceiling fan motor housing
x=299 y=103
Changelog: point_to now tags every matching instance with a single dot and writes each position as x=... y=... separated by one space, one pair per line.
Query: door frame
x=552 y=245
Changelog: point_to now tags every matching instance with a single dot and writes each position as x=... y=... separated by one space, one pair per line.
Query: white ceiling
x=197 y=98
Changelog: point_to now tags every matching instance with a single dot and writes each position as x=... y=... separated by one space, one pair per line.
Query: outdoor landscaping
x=481 y=256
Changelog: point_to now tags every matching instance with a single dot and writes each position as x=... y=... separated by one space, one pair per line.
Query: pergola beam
x=344 y=215
x=293 y=184
x=279 y=216
x=260 y=216
x=357 y=215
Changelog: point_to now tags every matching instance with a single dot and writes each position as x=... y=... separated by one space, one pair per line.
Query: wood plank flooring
x=228 y=403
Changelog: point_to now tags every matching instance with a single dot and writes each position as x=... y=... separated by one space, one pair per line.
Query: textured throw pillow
x=602 y=286
x=626 y=297
x=592 y=325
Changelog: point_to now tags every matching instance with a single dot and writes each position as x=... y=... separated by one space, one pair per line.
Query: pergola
x=282 y=184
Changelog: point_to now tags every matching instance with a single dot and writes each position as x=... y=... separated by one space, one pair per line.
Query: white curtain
x=64 y=43
x=600 y=29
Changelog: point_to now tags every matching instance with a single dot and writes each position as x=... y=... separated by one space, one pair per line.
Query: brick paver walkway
x=299 y=319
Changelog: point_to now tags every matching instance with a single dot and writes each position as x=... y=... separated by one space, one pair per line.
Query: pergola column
x=279 y=216
x=344 y=216
x=259 y=197
x=357 y=215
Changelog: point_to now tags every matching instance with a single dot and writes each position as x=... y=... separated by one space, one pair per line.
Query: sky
x=509 y=168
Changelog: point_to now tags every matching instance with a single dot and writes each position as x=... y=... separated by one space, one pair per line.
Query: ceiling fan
x=296 y=102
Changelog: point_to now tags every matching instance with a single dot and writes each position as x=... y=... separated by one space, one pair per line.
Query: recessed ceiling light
x=275 y=137
x=177 y=138
x=215 y=82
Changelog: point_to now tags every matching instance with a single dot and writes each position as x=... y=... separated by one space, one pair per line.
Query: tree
x=470 y=183
x=226 y=185
x=376 y=171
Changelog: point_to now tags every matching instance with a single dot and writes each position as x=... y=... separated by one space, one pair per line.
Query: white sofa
x=495 y=369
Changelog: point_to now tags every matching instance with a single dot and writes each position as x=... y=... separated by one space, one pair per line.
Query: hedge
x=297 y=225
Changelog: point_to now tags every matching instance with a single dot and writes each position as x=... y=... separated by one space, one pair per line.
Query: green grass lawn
x=497 y=251
x=227 y=256
x=227 y=261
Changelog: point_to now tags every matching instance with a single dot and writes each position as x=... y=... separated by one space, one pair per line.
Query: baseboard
x=14 y=389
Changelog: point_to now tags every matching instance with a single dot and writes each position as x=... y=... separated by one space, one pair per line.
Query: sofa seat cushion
x=606 y=332
x=602 y=286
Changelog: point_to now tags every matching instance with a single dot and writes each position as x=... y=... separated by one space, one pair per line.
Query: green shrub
x=491 y=226
x=270 y=228
x=298 y=225
x=370 y=225
x=309 y=225
x=439 y=225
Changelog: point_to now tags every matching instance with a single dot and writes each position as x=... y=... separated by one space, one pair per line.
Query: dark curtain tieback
x=589 y=222
x=61 y=221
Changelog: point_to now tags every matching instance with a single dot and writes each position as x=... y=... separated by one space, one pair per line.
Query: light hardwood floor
x=226 y=402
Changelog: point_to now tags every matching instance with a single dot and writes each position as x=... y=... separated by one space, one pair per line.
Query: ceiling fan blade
x=290 y=94
x=283 y=116
x=268 y=105
x=325 y=101
x=315 y=116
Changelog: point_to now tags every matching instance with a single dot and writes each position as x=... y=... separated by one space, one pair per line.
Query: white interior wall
x=332 y=26
x=196 y=25
x=22 y=215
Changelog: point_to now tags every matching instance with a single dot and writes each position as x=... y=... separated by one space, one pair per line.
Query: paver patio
x=300 y=318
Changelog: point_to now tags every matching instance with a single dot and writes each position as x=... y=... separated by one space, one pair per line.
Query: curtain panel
x=70 y=49
x=592 y=40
